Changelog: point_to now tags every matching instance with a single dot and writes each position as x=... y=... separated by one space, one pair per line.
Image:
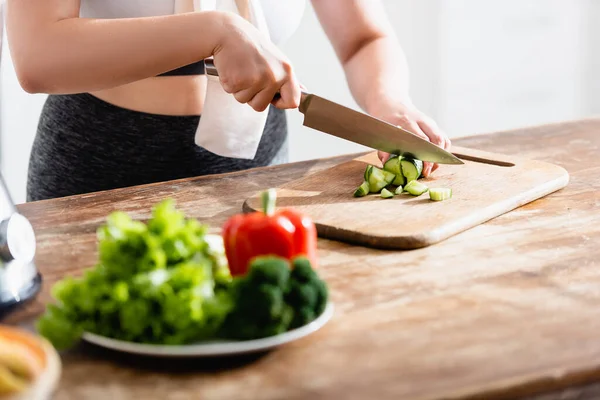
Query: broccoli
x=273 y=298
x=260 y=309
x=307 y=294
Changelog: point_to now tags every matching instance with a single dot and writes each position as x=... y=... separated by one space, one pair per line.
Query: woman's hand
x=375 y=66
x=252 y=68
x=407 y=116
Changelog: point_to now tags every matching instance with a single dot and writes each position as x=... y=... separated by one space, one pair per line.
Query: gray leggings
x=84 y=144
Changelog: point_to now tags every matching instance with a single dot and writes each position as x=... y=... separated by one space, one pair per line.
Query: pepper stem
x=268 y=201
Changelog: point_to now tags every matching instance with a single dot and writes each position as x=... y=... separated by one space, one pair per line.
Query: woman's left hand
x=407 y=116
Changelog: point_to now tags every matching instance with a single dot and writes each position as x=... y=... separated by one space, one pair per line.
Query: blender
x=19 y=278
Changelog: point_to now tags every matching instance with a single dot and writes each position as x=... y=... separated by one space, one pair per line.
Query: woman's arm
x=55 y=51
x=375 y=64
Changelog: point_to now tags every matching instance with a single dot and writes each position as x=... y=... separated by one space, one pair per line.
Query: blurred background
x=476 y=66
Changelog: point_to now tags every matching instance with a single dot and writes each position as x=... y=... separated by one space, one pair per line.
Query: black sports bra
x=196 y=68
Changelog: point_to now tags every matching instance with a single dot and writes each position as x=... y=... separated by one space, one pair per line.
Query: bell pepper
x=285 y=233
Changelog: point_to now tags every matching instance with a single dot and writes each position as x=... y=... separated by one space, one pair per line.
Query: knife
x=345 y=123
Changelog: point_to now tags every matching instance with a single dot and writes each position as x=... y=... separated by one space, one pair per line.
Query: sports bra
x=282 y=16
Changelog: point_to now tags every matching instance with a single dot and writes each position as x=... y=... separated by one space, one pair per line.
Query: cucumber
x=362 y=190
x=394 y=166
x=399 y=180
x=440 y=194
x=416 y=188
x=389 y=177
x=398 y=190
x=411 y=169
x=386 y=194
x=368 y=172
x=378 y=179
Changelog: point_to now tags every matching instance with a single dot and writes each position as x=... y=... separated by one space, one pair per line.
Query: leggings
x=84 y=144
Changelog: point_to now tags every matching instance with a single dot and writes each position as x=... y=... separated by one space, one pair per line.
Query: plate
x=213 y=348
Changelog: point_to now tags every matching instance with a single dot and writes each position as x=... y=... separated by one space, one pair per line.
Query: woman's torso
x=177 y=95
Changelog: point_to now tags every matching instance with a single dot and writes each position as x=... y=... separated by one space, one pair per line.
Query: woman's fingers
x=435 y=135
x=408 y=117
x=261 y=101
x=245 y=95
x=431 y=130
x=289 y=95
x=414 y=127
x=383 y=156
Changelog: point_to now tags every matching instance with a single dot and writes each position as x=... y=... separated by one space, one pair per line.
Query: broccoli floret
x=274 y=297
x=307 y=294
x=259 y=296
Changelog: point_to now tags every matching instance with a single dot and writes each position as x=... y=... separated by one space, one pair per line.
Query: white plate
x=216 y=348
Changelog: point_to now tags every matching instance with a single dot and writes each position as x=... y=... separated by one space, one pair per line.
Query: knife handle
x=304 y=100
x=209 y=66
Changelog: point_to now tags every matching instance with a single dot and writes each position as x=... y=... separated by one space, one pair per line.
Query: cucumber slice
x=399 y=180
x=398 y=190
x=393 y=165
x=368 y=172
x=386 y=194
x=440 y=194
x=416 y=188
x=389 y=177
x=378 y=179
x=412 y=169
x=362 y=190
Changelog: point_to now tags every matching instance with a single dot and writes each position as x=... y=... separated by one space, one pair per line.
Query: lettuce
x=165 y=282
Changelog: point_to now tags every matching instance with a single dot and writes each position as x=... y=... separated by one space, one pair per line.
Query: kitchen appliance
x=343 y=122
x=19 y=278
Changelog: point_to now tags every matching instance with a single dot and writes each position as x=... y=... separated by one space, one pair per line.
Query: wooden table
x=510 y=308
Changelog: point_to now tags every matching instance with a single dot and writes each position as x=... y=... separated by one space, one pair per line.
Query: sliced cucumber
x=440 y=194
x=416 y=188
x=386 y=194
x=368 y=172
x=398 y=190
x=362 y=190
x=399 y=180
x=394 y=166
x=389 y=177
x=378 y=179
x=411 y=169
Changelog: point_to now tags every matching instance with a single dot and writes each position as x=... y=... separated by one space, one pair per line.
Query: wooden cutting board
x=486 y=186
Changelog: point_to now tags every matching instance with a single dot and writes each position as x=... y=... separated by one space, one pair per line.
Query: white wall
x=319 y=70
x=476 y=66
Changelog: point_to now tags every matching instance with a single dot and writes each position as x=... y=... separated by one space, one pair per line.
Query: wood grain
x=505 y=310
x=486 y=186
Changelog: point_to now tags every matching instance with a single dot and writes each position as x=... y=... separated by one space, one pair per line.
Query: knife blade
x=343 y=122
x=348 y=124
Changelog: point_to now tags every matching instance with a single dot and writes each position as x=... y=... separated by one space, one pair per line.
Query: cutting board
x=486 y=186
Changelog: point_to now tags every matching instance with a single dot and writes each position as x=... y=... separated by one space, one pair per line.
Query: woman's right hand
x=252 y=68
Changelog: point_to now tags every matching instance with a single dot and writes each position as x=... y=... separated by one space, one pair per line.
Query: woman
x=126 y=84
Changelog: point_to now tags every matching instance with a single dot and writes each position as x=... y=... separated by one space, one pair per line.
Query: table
x=512 y=311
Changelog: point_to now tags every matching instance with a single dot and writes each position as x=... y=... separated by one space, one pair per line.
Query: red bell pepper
x=286 y=233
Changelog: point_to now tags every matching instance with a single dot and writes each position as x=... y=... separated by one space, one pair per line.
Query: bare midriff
x=163 y=95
